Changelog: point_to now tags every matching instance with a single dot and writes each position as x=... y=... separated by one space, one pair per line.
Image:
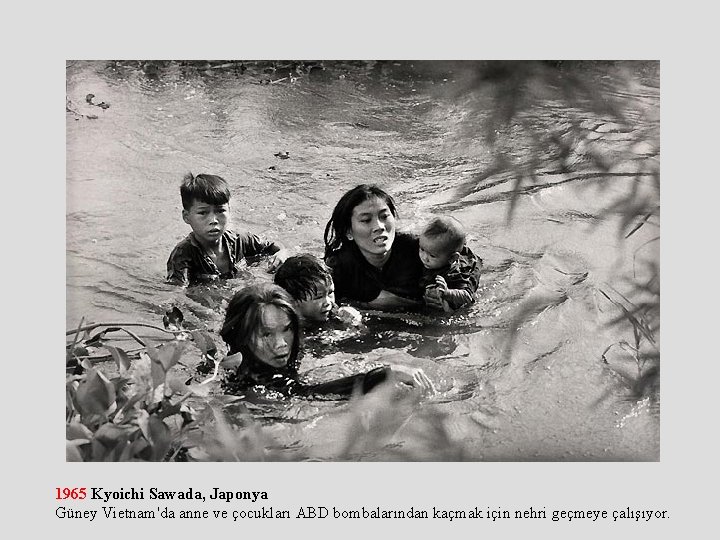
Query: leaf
x=198 y=454
x=166 y=355
x=175 y=383
x=160 y=436
x=225 y=436
x=134 y=449
x=76 y=430
x=157 y=373
x=110 y=434
x=156 y=433
x=162 y=358
x=232 y=361
x=120 y=356
x=200 y=390
x=72 y=452
x=204 y=342
x=95 y=394
x=169 y=409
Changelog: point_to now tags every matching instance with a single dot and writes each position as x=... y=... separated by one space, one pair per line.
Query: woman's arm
x=387 y=300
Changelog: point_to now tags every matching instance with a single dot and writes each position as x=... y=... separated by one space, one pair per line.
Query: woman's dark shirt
x=356 y=279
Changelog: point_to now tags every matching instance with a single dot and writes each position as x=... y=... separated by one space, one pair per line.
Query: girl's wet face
x=372 y=228
x=272 y=341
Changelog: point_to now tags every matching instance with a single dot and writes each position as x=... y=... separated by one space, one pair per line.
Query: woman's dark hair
x=339 y=224
x=244 y=316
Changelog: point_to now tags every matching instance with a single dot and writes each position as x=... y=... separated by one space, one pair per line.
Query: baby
x=451 y=273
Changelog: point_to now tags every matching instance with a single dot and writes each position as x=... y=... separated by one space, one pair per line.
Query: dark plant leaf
x=95 y=394
x=120 y=356
x=159 y=436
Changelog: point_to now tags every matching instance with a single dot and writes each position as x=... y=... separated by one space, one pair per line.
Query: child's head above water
x=206 y=206
x=309 y=281
x=262 y=324
x=441 y=238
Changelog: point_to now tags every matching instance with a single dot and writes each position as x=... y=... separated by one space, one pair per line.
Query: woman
x=371 y=262
x=262 y=324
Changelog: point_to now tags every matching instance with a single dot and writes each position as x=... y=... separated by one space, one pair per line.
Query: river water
x=542 y=367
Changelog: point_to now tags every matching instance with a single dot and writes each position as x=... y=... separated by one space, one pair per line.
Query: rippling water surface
x=554 y=383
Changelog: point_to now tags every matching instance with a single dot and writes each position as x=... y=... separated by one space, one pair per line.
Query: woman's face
x=372 y=228
x=272 y=341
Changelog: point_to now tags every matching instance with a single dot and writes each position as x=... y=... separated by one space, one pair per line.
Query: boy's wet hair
x=448 y=230
x=207 y=188
x=303 y=276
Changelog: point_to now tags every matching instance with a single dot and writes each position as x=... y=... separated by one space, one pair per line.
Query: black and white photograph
x=360 y=269
x=367 y=260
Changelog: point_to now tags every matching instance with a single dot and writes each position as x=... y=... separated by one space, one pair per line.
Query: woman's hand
x=349 y=315
x=414 y=376
x=276 y=259
x=433 y=297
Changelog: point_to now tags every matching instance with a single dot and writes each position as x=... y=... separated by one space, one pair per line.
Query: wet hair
x=243 y=318
x=339 y=224
x=449 y=231
x=207 y=188
x=303 y=276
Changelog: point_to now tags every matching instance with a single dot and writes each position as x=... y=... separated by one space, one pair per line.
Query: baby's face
x=433 y=254
x=317 y=308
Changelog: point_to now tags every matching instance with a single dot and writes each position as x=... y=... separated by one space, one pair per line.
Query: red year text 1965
x=70 y=493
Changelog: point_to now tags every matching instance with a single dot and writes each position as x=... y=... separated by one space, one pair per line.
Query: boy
x=211 y=251
x=309 y=282
x=452 y=271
